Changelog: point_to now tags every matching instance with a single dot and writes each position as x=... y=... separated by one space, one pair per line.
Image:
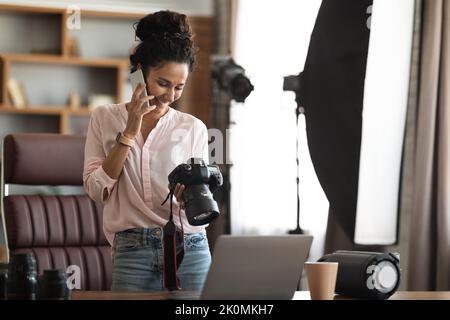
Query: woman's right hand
x=137 y=108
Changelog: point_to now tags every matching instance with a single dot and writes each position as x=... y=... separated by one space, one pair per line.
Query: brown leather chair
x=60 y=230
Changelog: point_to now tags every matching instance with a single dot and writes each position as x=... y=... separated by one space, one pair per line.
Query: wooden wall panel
x=196 y=98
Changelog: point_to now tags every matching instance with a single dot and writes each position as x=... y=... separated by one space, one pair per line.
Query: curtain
x=429 y=255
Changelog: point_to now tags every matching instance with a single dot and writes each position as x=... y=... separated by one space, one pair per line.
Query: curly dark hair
x=165 y=36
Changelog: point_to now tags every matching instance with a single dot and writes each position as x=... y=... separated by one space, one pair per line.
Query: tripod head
x=295 y=83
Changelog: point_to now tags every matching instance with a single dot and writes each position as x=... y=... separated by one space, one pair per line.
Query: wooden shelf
x=31 y=9
x=84 y=12
x=83 y=111
x=46 y=110
x=66 y=60
x=49 y=79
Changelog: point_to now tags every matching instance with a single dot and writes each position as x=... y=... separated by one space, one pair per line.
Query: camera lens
x=201 y=208
x=53 y=285
x=203 y=216
x=3 y=278
x=240 y=88
x=21 y=283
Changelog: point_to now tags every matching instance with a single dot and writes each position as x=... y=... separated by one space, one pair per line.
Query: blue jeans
x=138 y=260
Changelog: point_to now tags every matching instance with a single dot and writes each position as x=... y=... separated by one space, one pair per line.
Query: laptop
x=256 y=267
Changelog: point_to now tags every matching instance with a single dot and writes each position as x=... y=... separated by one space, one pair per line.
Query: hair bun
x=165 y=36
x=162 y=25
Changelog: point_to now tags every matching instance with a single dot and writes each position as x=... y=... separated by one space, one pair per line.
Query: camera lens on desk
x=3 y=278
x=53 y=286
x=21 y=283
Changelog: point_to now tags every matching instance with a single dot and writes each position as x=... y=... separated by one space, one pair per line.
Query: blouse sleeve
x=97 y=184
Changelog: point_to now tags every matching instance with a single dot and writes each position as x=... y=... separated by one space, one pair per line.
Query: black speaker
x=366 y=275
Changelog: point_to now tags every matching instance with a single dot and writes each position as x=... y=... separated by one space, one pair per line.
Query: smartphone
x=136 y=78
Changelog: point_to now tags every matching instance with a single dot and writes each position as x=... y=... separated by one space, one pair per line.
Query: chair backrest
x=60 y=230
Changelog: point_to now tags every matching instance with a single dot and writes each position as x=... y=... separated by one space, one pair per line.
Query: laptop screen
x=256 y=267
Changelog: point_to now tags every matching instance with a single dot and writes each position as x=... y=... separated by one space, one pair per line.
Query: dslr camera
x=201 y=181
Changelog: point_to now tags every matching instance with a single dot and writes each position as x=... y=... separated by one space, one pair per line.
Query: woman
x=130 y=150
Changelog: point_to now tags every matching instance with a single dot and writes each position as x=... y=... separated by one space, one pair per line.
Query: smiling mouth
x=155 y=101
x=159 y=103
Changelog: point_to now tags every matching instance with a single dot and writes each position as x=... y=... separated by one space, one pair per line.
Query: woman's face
x=166 y=82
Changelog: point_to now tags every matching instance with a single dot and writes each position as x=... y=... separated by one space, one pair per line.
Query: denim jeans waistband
x=153 y=232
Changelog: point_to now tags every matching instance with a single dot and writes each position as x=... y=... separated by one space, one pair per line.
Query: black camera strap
x=172 y=260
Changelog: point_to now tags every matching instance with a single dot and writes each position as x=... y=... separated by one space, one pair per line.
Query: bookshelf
x=35 y=50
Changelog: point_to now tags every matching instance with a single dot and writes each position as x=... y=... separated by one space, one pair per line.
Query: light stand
x=229 y=83
x=294 y=83
x=221 y=120
x=298 y=110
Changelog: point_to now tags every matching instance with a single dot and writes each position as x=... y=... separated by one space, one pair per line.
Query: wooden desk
x=125 y=295
x=399 y=295
x=193 y=295
x=421 y=295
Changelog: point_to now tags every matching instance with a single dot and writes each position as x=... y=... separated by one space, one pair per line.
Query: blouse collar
x=164 y=119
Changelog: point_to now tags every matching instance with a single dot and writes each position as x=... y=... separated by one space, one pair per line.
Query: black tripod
x=299 y=110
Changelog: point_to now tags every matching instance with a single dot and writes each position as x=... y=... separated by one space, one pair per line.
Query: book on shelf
x=17 y=93
x=74 y=101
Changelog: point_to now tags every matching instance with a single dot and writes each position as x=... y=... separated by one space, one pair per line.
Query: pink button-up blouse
x=134 y=199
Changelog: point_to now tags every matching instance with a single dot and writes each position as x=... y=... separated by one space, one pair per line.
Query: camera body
x=196 y=172
x=200 y=181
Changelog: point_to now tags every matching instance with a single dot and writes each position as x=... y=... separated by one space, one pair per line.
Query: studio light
x=231 y=78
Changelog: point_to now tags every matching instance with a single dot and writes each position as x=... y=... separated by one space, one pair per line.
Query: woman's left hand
x=179 y=188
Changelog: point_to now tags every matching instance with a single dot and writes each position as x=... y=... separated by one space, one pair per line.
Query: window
x=271 y=45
